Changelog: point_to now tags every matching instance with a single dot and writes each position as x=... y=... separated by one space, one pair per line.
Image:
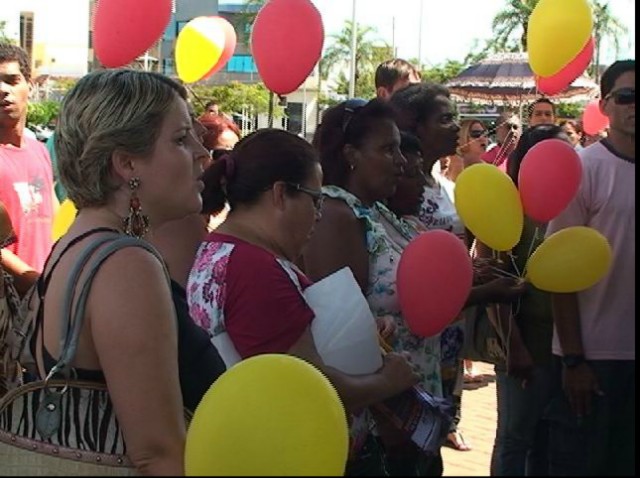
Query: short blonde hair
x=465 y=134
x=106 y=111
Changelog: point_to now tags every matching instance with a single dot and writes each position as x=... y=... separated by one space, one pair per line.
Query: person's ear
x=123 y=166
x=351 y=155
x=383 y=93
x=279 y=195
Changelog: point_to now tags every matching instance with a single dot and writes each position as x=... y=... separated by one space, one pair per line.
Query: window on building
x=26 y=32
x=242 y=64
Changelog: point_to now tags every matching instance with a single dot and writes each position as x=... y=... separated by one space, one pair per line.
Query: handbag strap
x=90 y=261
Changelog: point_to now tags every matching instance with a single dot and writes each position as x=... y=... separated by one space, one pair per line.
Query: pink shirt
x=498 y=156
x=606 y=202
x=26 y=189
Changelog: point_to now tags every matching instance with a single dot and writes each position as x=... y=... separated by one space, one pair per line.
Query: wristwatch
x=573 y=360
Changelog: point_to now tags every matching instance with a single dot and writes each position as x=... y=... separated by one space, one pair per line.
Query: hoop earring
x=136 y=224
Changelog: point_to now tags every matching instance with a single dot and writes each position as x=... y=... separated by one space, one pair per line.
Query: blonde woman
x=130 y=162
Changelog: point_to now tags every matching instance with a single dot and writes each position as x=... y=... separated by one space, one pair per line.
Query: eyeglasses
x=623 y=96
x=476 y=134
x=317 y=196
x=351 y=107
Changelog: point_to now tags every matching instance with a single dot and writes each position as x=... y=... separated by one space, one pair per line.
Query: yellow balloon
x=198 y=48
x=63 y=219
x=570 y=260
x=558 y=30
x=270 y=415
x=489 y=205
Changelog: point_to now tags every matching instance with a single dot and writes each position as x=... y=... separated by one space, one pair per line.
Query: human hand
x=579 y=385
x=520 y=363
x=504 y=289
x=386 y=326
x=485 y=269
x=399 y=372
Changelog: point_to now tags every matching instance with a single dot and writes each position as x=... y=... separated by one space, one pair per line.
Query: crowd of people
x=230 y=231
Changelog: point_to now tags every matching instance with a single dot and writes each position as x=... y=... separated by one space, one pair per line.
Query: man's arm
x=24 y=276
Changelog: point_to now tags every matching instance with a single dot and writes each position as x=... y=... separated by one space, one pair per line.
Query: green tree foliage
x=605 y=25
x=3 y=35
x=233 y=97
x=42 y=113
x=369 y=54
x=513 y=20
x=445 y=72
x=569 y=110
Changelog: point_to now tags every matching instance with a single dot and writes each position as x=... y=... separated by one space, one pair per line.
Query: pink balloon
x=549 y=178
x=229 y=44
x=593 y=120
x=552 y=85
x=124 y=29
x=434 y=280
x=286 y=43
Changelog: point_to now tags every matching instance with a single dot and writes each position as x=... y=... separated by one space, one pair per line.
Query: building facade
x=55 y=37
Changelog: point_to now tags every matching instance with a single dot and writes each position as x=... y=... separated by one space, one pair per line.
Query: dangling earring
x=136 y=224
x=352 y=167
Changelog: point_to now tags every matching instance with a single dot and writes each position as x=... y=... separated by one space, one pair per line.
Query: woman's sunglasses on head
x=351 y=107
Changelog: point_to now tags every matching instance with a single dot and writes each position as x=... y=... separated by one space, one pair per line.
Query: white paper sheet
x=344 y=329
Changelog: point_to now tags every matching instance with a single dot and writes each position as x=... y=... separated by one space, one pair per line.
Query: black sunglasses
x=623 y=96
x=476 y=134
x=351 y=107
x=316 y=196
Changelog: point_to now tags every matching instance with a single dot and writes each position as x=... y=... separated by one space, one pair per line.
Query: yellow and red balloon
x=203 y=47
x=558 y=30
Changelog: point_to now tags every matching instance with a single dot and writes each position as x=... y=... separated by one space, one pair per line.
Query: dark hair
x=255 y=164
x=530 y=137
x=210 y=103
x=415 y=103
x=611 y=75
x=216 y=125
x=409 y=144
x=575 y=124
x=390 y=72
x=332 y=136
x=9 y=52
x=540 y=101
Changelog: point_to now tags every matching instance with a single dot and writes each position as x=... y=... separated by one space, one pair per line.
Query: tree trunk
x=524 y=37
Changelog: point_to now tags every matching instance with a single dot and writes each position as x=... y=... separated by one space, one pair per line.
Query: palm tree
x=513 y=19
x=605 y=25
x=368 y=52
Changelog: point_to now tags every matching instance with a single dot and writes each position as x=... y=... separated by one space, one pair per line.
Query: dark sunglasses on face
x=316 y=196
x=623 y=96
x=476 y=134
x=351 y=107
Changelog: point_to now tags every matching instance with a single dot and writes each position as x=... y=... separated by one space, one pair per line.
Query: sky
x=449 y=27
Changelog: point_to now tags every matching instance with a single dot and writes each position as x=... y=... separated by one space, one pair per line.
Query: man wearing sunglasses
x=592 y=414
x=508 y=131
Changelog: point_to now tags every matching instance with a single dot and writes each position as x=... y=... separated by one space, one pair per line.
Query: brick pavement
x=478 y=426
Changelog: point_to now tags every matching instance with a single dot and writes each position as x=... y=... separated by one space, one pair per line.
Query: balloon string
x=533 y=241
x=193 y=93
x=514 y=264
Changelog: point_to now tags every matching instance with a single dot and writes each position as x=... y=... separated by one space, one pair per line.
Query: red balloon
x=593 y=120
x=229 y=44
x=552 y=85
x=549 y=178
x=286 y=43
x=434 y=280
x=124 y=29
